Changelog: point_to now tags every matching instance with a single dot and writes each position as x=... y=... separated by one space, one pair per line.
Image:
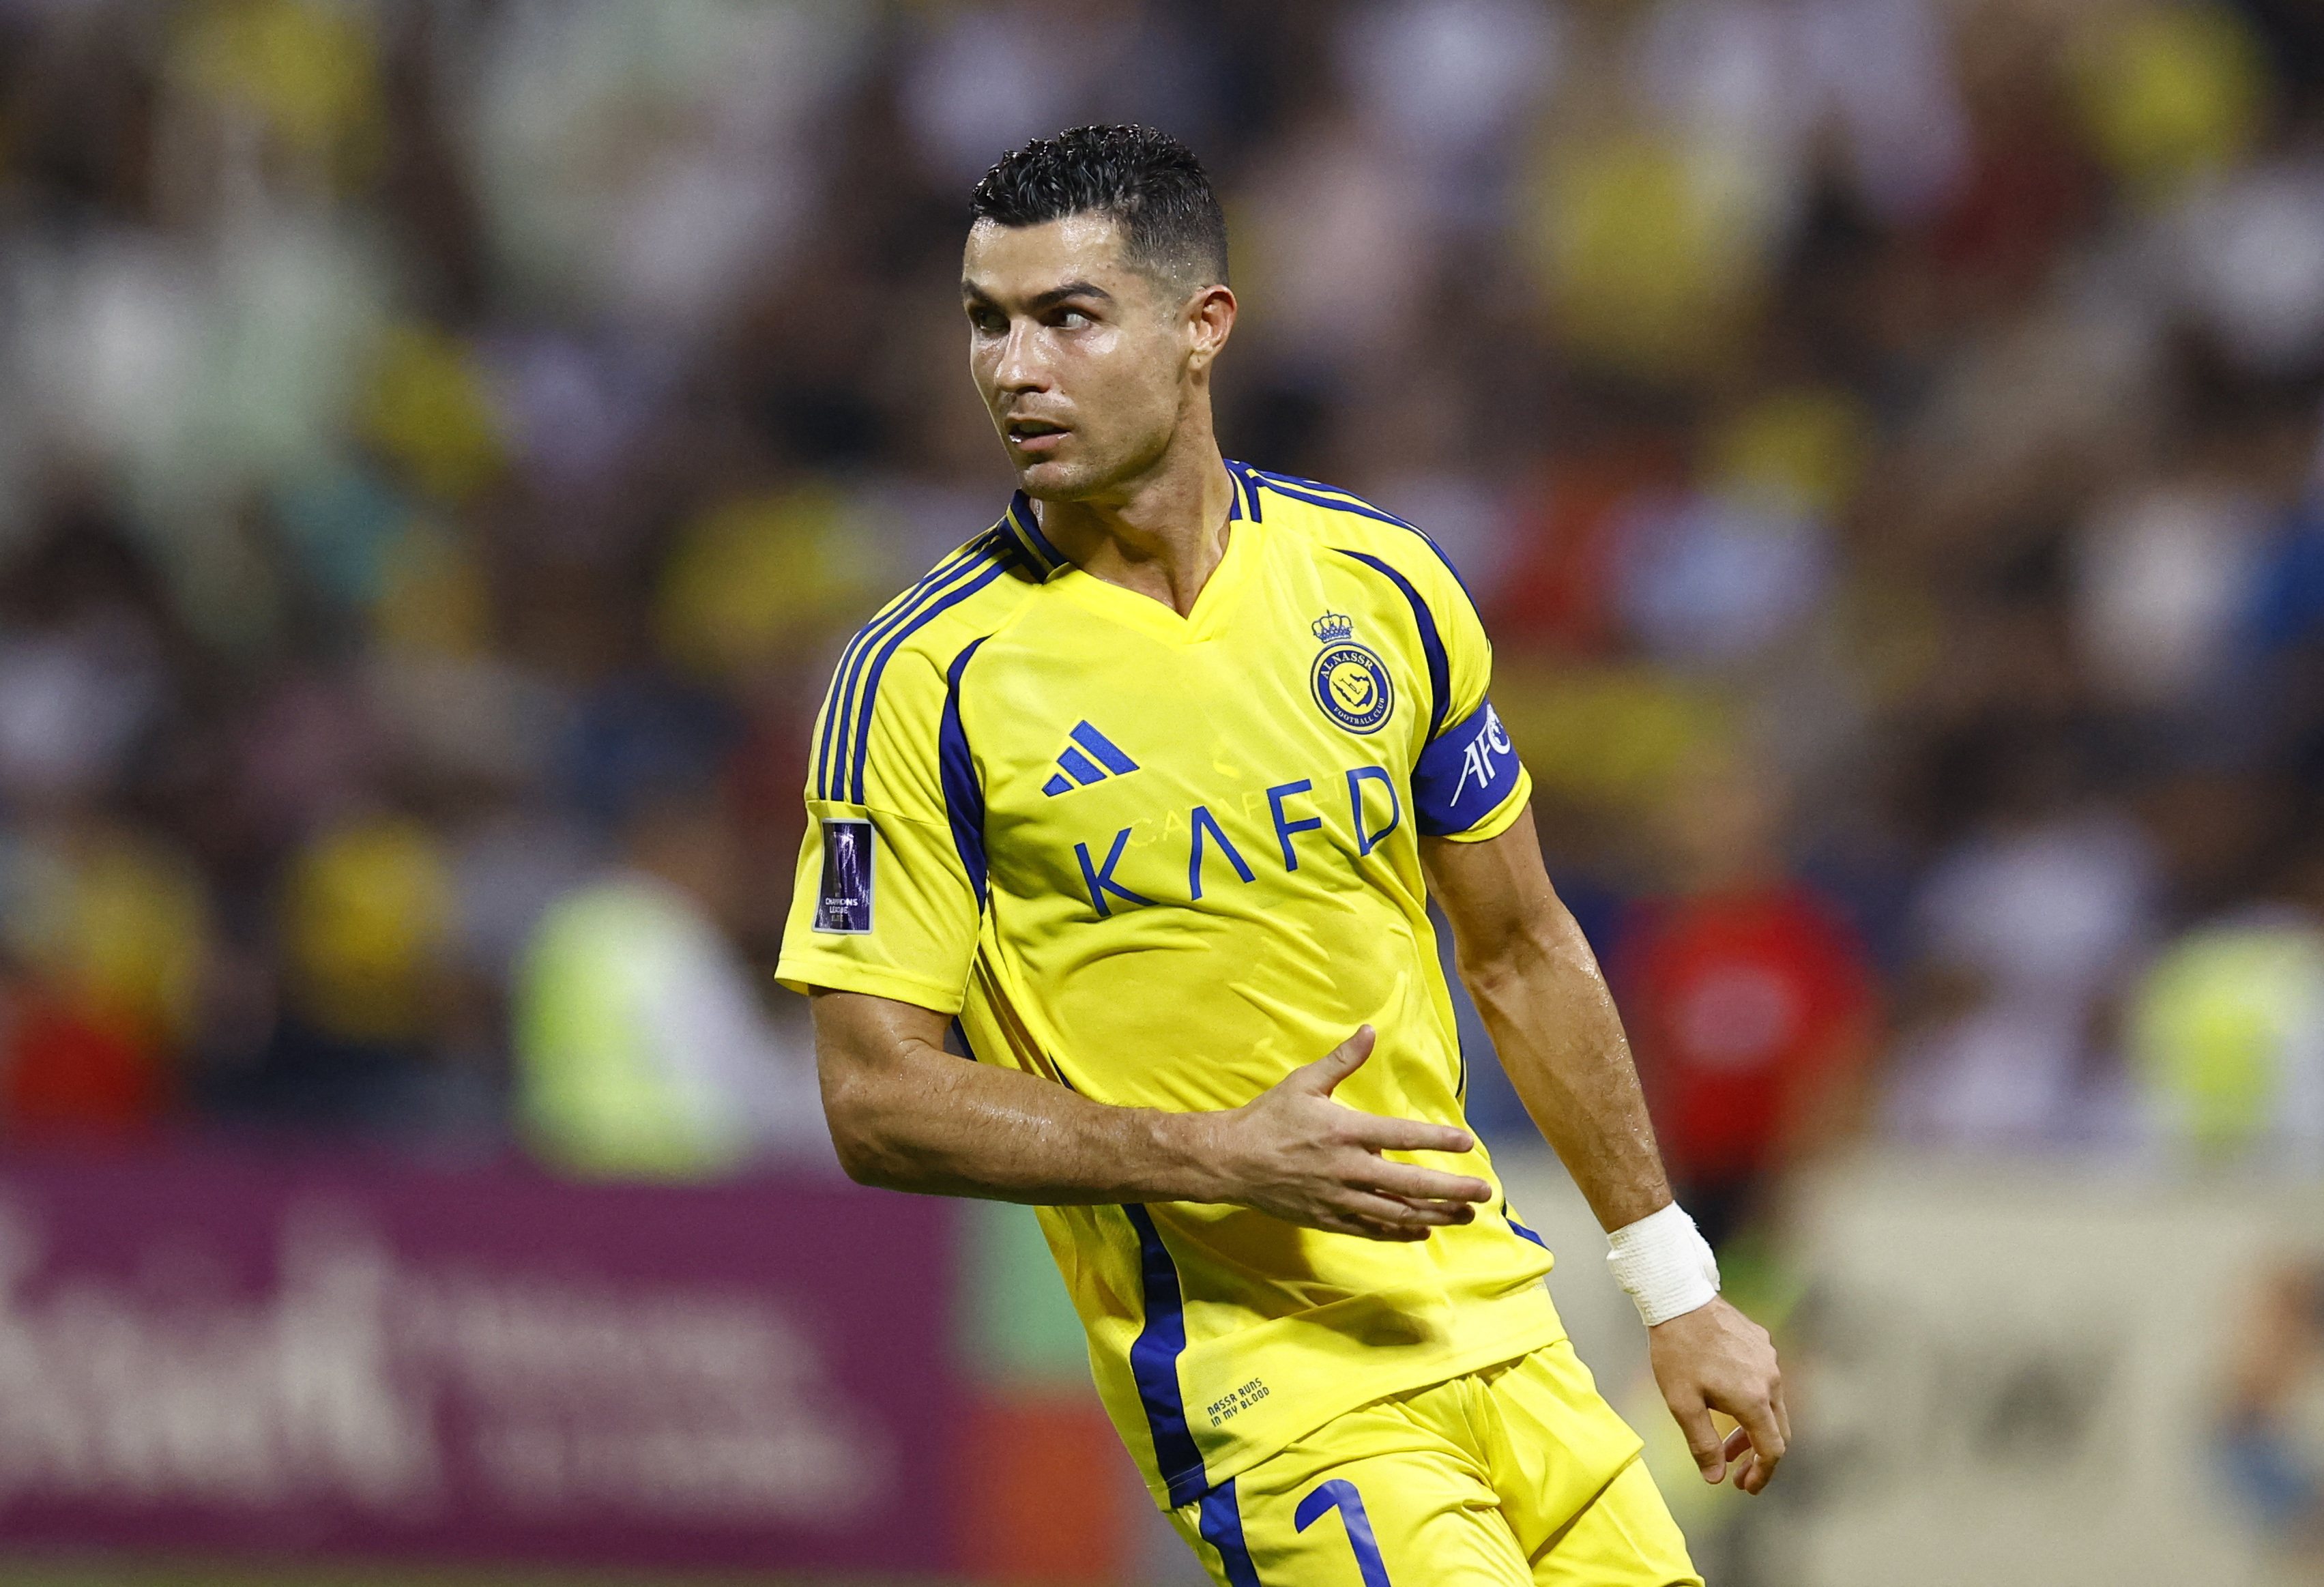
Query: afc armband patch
x=1464 y=774
x=844 y=904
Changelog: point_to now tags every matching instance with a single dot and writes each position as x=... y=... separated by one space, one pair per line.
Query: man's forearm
x=1560 y=1041
x=921 y=1119
x=907 y=1115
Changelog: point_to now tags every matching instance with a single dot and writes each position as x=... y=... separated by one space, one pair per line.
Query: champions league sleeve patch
x=845 y=903
x=1463 y=774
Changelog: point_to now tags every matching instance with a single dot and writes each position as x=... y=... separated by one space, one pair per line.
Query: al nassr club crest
x=1350 y=683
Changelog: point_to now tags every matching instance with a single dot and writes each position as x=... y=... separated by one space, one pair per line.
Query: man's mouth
x=1034 y=435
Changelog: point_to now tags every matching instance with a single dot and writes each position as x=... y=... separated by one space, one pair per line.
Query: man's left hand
x=1714 y=1357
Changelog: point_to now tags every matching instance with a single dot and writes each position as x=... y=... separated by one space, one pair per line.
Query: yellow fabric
x=1518 y=1476
x=1182 y=1003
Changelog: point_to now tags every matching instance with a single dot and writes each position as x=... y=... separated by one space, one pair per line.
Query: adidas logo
x=1102 y=759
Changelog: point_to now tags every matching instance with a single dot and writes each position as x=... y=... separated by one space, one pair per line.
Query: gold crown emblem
x=1332 y=626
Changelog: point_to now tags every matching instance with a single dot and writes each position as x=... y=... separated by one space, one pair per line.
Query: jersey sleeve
x=888 y=898
x=1468 y=783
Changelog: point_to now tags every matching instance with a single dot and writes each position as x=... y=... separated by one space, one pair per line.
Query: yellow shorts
x=1516 y=1476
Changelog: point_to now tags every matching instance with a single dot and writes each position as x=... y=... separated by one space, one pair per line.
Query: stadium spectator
x=1749 y=999
x=2226 y=1029
x=640 y=1047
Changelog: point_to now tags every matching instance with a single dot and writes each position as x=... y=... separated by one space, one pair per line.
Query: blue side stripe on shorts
x=928 y=613
x=838 y=708
x=1431 y=643
x=963 y=796
x=1221 y=1522
x=1154 y=1363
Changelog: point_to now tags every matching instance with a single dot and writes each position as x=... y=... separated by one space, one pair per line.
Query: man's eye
x=1073 y=320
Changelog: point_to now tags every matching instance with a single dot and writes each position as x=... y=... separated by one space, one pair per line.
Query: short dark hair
x=1148 y=181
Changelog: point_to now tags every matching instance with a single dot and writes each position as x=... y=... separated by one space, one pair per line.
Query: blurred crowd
x=443 y=444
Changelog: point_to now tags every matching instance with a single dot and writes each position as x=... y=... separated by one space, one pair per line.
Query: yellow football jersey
x=1165 y=860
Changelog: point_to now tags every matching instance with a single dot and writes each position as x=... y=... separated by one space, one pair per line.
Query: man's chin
x=1053 y=479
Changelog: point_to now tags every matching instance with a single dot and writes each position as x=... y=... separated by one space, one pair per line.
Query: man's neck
x=1163 y=536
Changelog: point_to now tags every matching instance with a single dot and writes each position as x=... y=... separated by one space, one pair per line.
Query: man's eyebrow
x=1072 y=289
x=1049 y=300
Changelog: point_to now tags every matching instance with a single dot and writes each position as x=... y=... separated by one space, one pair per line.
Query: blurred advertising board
x=2044 y=1375
x=2004 y=1374
x=216 y=1353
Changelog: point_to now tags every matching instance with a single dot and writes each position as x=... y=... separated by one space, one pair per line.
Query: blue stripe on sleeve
x=963 y=796
x=1154 y=1363
x=828 y=719
x=838 y=714
x=1221 y=1523
x=927 y=613
x=1431 y=643
x=843 y=677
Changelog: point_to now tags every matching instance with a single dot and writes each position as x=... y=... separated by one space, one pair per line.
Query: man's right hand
x=1296 y=1154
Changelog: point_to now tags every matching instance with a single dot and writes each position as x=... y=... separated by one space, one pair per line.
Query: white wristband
x=1664 y=1264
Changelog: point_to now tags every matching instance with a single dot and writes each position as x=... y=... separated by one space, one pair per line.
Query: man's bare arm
x=1553 y=1020
x=908 y=1115
x=1560 y=1041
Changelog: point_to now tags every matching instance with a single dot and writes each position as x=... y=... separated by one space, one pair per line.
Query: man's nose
x=1020 y=368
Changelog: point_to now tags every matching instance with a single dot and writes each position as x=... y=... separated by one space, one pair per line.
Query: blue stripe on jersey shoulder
x=1045 y=558
x=1316 y=493
x=1432 y=643
x=939 y=601
x=1246 y=502
x=834 y=698
x=839 y=704
x=964 y=794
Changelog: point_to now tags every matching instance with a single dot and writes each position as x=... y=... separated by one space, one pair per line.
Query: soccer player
x=1140 y=798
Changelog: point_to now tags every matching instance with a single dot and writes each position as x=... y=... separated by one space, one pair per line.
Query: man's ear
x=1210 y=321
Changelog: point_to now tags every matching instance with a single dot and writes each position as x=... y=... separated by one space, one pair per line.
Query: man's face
x=1082 y=358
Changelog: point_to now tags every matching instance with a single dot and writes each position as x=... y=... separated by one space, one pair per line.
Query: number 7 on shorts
x=1341 y=1495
